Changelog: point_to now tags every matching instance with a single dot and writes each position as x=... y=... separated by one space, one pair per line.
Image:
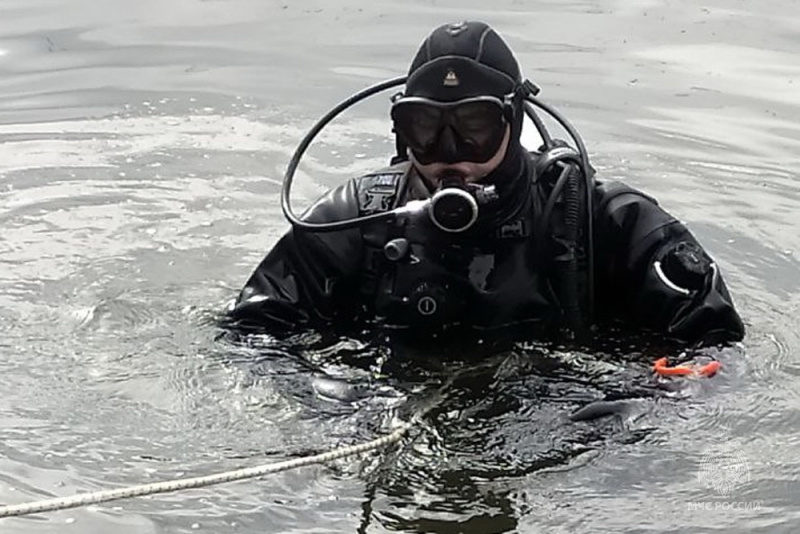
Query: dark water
x=141 y=147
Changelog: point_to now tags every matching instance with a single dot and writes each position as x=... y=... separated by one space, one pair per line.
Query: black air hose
x=569 y=276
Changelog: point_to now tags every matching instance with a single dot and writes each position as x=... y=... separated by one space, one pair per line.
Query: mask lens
x=417 y=124
x=478 y=122
x=478 y=125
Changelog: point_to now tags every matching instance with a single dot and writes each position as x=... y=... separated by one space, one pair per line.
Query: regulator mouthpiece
x=455 y=209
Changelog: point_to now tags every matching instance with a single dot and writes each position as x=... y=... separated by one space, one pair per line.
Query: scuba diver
x=468 y=229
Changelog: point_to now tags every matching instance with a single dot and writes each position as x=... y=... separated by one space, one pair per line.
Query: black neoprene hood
x=463 y=60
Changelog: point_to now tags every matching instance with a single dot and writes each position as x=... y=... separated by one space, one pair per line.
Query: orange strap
x=663 y=369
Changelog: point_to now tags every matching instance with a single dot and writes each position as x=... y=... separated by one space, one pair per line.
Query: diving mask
x=471 y=129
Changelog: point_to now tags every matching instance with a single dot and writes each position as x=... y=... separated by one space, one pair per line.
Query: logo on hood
x=450 y=79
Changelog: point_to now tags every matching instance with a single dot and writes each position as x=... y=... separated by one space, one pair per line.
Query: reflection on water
x=488 y=421
x=141 y=151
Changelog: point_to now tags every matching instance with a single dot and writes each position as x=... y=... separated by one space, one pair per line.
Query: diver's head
x=461 y=113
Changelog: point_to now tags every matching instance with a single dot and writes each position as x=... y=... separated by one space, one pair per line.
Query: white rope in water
x=63 y=503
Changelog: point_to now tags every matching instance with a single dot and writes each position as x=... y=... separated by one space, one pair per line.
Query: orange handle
x=662 y=368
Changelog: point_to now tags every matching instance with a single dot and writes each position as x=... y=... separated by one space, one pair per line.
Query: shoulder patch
x=377 y=192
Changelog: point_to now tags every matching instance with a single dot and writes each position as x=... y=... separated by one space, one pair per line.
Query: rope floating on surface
x=85 y=499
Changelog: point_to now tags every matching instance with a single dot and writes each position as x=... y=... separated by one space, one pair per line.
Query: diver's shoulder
x=369 y=193
x=620 y=206
x=610 y=193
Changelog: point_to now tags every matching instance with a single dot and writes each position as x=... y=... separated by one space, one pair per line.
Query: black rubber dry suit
x=648 y=268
